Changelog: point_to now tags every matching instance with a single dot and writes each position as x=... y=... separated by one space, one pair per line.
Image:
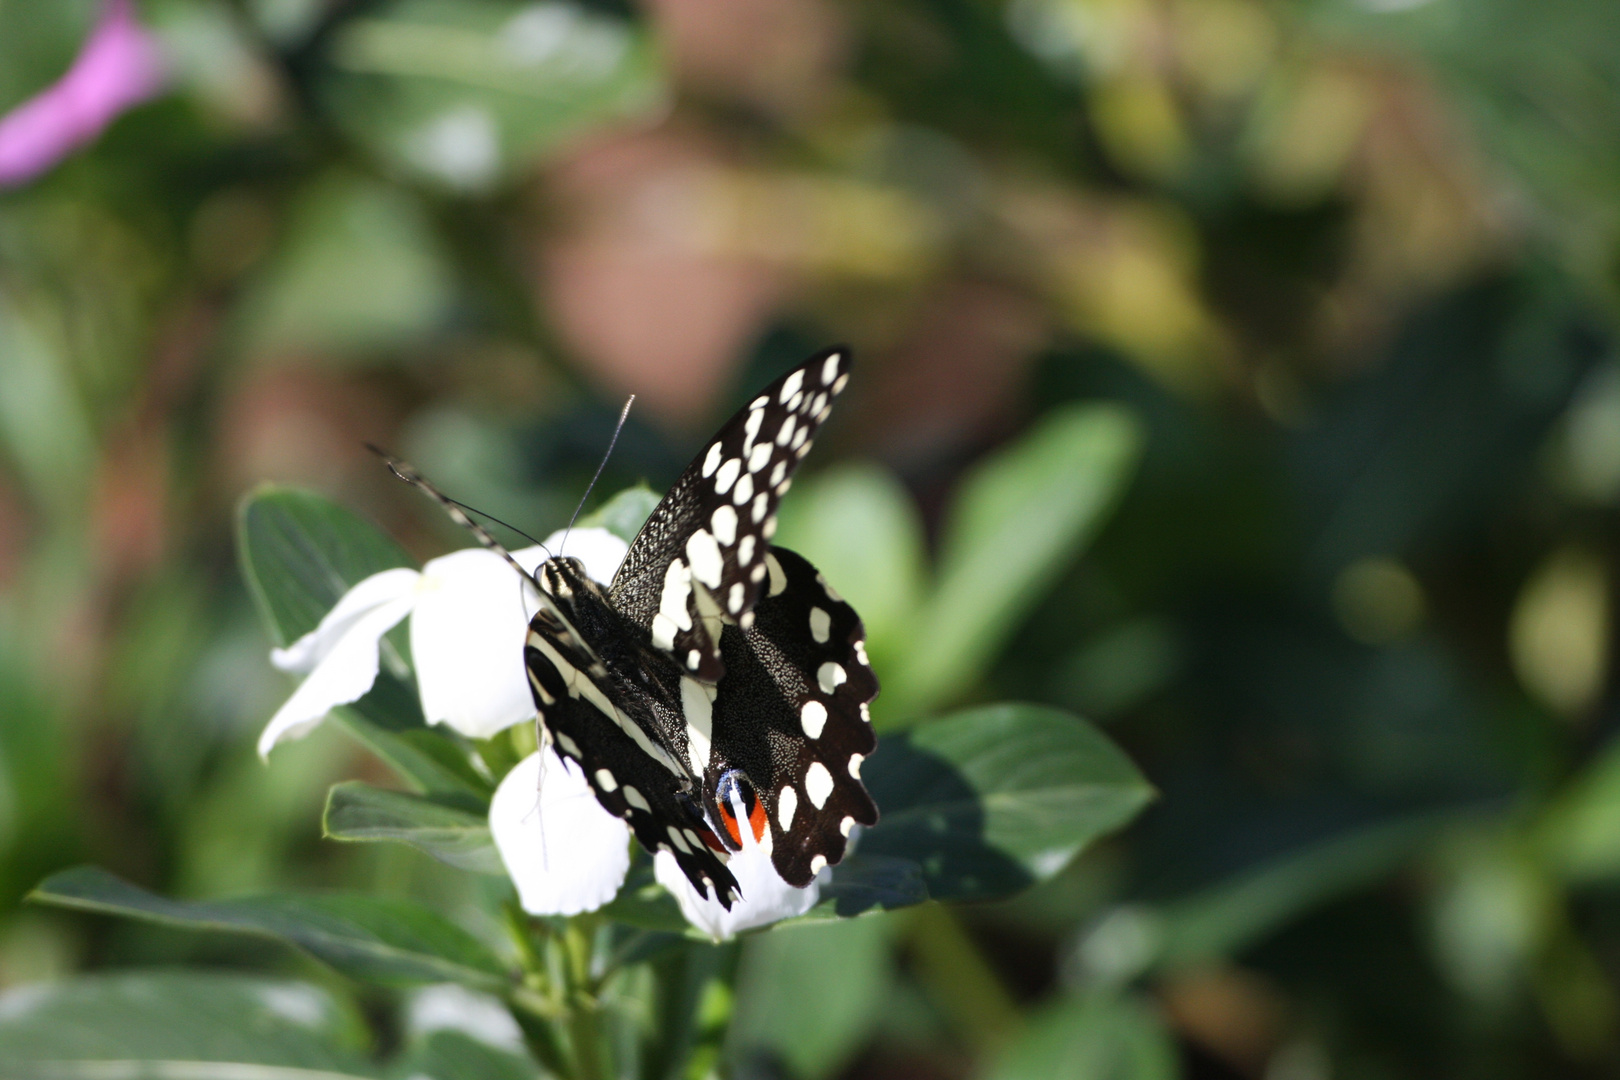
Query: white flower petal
x=563 y=851
x=467 y=643
x=467 y=631
x=378 y=589
x=347 y=668
x=765 y=899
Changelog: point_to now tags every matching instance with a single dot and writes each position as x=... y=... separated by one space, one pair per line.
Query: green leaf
x=300 y=553
x=470 y=95
x=360 y=812
x=625 y=513
x=1225 y=919
x=1092 y=1038
x=374 y=940
x=644 y=903
x=346 y=229
x=983 y=803
x=1020 y=518
x=811 y=994
x=882 y=576
x=1579 y=833
x=452 y=1054
x=189 y=1025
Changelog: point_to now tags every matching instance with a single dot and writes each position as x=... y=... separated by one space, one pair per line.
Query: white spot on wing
x=672 y=614
x=605 y=780
x=818 y=864
x=782 y=488
x=697 y=705
x=820 y=624
x=786 y=433
x=818 y=406
x=786 y=806
x=704 y=555
x=759 y=402
x=727 y=475
x=759 y=456
x=724 y=523
x=830 y=676
x=693 y=659
x=570 y=747
x=768 y=529
x=829 y=370
x=813 y=718
x=751 y=428
x=791 y=385
x=818 y=784
x=799 y=436
x=678 y=840
x=860 y=653
x=778 y=575
x=745 y=550
x=779 y=472
x=846 y=825
x=843 y=381
x=745 y=490
x=711 y=461
x=635 y=799
x=761 y=504
x=855 y=765
x=734 y=602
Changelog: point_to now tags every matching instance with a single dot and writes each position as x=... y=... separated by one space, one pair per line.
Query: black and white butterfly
x=716 y=670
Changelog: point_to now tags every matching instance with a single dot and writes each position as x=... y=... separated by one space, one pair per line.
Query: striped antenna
x=457 y=513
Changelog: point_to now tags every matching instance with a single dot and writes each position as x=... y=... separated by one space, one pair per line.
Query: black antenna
x=623 y=414
x=452 y=507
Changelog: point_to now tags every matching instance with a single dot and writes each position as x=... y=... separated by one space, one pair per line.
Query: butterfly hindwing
x=791 y=714
x=698 y=564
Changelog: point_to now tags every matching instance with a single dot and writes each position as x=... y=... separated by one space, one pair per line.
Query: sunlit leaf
x=299 y=554
x=625 y=513
x=368 y=938
x=467 y=95
x=190 y=1025
x=1019 y=520
x=360 y=812
x=454 y=1054
x=345 y=231
x=882 y=575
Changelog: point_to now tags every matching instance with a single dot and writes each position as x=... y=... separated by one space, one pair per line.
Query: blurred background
x=1351 y=263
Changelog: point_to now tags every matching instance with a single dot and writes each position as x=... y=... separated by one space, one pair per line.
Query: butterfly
x=718 y=683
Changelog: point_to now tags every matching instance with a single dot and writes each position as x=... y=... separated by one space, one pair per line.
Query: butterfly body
x=717 y=672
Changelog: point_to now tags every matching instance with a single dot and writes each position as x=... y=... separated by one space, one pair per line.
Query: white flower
x=468 y=612
x=563 y=851
x=765 y=896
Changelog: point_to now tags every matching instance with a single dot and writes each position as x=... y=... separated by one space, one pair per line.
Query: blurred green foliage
x=1315 y=302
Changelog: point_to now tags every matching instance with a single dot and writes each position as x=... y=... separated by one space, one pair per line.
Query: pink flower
x=119 y=67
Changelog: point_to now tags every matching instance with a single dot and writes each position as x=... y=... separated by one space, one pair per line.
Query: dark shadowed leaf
x=356 y=811
x=983 y=803
x=375 y=940
x=1092 y=1038
x=810 y=994
x=190 y=1025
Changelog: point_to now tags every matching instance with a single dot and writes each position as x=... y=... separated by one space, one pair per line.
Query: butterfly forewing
x=698 y=563
x=633 y=774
